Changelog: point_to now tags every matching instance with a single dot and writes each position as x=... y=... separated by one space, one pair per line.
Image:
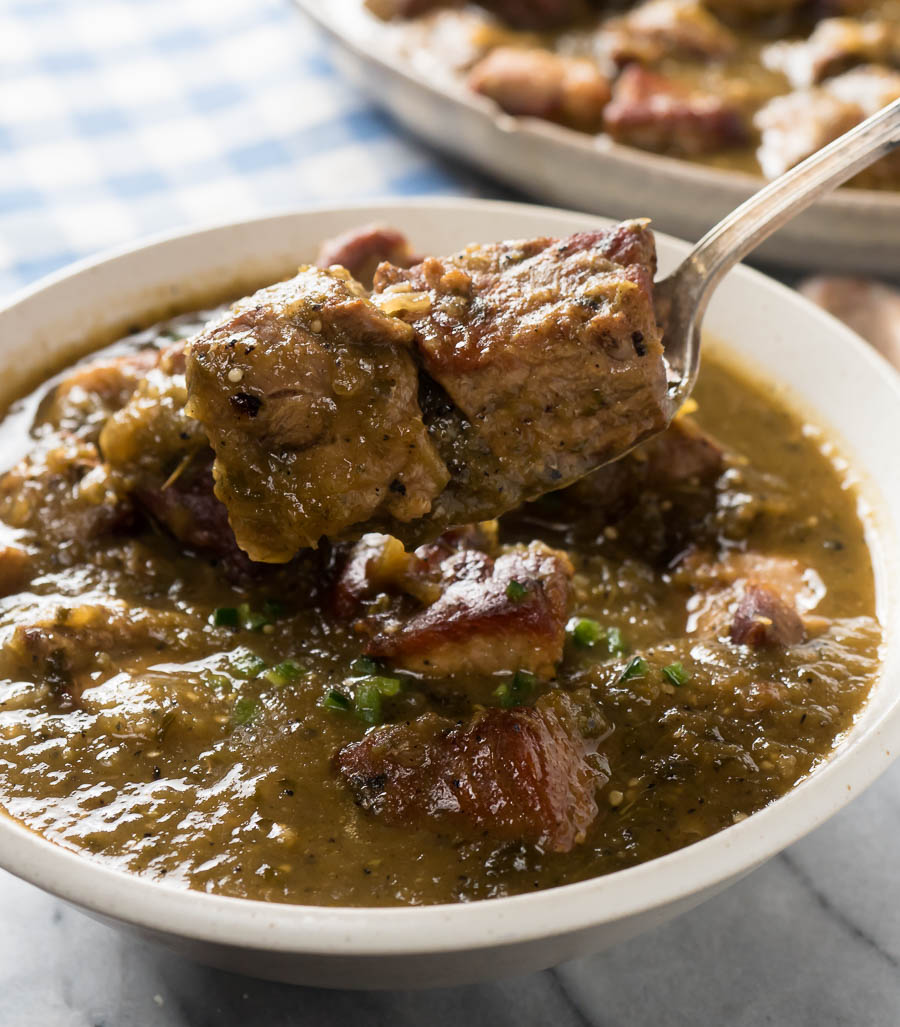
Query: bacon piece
x=518 y=774
x=505 y=615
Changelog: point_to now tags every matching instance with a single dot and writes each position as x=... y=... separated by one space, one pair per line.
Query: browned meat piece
x=361 y=250
x=653 y=112
x=518 y=775
x=534 y=361
x=794 y=126
x=763 y=618
x=388 y=9
x=63 y=645
x=61 y=491
x=539 y=14
x=868 y=307
x=870 y=88
x=541 y=84
x=665 y=28
x=84 y=399
x=14 y=566
x=542 y=359
x=308 y=393
x=379 y=564
x=506 y=615
x=738 y=596
x=151 y=440
x=741 y=10
x=656 y=502
x=835 y=45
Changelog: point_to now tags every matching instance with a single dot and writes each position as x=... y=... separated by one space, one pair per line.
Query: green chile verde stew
x=603 y=674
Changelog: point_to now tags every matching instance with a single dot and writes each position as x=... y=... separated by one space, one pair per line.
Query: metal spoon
x=682 y=298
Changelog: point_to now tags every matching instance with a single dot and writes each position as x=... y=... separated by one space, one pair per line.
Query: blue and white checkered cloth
x=119 y=118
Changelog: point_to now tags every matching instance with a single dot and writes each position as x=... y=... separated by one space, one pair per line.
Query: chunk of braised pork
x=497 y=615
x=361 y=250
x=61 y=491
x=657 y=501
x=81 y=402
x=665 y=28
x=541 y=84
x=752 y=598
x=654 y=112
x=835 y=45
x=749 y=10
x=518 y=775
x=390 y=9
x=870 y=87
x=151 y=440
x=14 y=566
x=540 y=14
x=308 y=394
x=763 y=618
x=65 y=645
x=794 y=126
x=542 y=359
x=379 y=564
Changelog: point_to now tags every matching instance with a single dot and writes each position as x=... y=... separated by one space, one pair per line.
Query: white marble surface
x=812 y=938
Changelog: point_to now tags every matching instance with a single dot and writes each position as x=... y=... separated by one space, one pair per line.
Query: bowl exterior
x=821 y=366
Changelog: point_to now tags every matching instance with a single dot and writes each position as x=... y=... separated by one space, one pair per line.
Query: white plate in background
x=852 y=230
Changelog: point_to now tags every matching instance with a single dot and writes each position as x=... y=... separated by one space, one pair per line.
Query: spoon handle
x=766 y=211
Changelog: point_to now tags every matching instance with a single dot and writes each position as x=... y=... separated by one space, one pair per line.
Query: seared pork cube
x=540 y=14
x=151 y=441
x=665 y=28
x=868 y=307
x=870 y=87
x=542 y=359
x=62 y=492
x=752 y=598
x=653 y=112
x=658 y=500
x=361 y=250
x=541 y=84
x=14 y=567
x=492 y=616
x=85 y=398
x=379 y=564
x=835 y=45
x=519 y=775
x=389 y=9
x=308 y=393
x=64 y=645
x=742 y=10
x=793 y=127
x=763 y=618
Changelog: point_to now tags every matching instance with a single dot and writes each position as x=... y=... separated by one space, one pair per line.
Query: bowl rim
x=328 y=18
x=363 y=932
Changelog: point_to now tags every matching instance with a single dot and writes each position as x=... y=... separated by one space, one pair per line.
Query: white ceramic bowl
x=852 y=230
x=827 y=369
